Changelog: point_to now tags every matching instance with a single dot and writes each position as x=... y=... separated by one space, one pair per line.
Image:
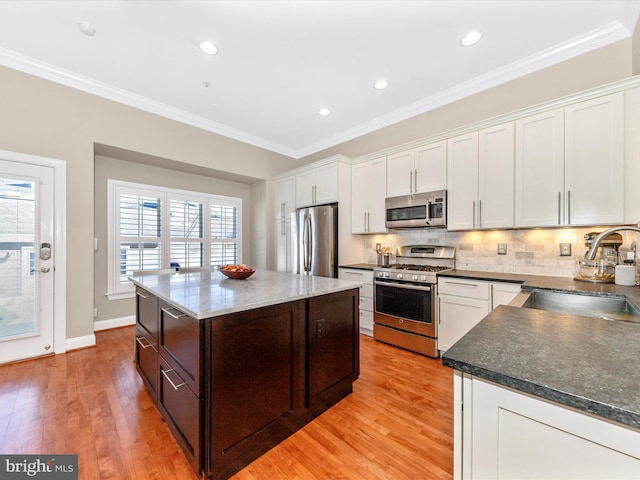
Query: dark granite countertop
x=360 y=266
x=585 y=363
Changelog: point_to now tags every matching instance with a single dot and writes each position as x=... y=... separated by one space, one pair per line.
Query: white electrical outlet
x=502 y=249
x=565 y=249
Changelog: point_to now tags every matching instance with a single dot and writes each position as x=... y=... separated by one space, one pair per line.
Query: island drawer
x=183 y=411
x=181 y=343
x=147 y=314
x=147 y=362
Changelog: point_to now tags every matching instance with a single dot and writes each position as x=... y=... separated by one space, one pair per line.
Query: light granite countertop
x=206 y=294
x=585 y=363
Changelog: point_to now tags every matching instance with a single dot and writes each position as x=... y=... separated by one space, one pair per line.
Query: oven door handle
x=404 y=285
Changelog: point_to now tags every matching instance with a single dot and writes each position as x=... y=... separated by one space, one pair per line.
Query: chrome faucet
x=591 y=253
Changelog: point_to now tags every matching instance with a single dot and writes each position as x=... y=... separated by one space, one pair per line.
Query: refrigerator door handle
x=306 y=243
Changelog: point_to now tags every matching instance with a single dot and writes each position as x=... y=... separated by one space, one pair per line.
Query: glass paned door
x=26 y=260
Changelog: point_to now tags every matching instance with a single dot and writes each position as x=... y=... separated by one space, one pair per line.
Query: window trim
x=116 y=290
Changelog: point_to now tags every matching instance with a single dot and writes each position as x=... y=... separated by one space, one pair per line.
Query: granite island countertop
x=208 y=293
x=589 y=364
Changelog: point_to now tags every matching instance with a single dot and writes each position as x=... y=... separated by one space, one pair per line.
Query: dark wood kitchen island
x=237 y=366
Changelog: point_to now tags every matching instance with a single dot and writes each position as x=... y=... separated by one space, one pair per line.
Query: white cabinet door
x=514 y=435
x=458 y=315
x=462 y=181
x=539 y=169
x=305 y=188
x=400 y=172
x=368 y=184
x=594 y=161
x=284 y=258
x=327 y=183
x=502 y=293
x=431 y=167
x=285 y=197
x=495 y=177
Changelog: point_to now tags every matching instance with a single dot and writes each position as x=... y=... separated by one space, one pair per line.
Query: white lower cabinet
x=462 y=303
x=503 y=433
x=366 y=295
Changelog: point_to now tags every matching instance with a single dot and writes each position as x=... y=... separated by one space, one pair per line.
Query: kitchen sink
x=608 y=308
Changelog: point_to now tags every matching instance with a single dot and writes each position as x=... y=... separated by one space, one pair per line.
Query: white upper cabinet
x=368 y=187
x=569 y=165
x=480 y=179
x=284 y=197
x=594 y=161
x=422 y=169
x=462 y=181
x=317 y=186
x=495 y=177
x=540 y=169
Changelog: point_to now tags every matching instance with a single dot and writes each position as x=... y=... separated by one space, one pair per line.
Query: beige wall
x=43 y=118
x=590 y=70
x=116 y=169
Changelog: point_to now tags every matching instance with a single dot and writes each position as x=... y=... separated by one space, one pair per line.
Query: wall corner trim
x=80 y=342
x=114 y=323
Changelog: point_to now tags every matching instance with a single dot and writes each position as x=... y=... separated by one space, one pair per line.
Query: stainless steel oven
x=405 y=298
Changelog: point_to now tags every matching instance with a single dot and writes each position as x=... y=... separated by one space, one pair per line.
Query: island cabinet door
x=147 y=314
x=257 y=383
x=334 y=354
x=181 y=341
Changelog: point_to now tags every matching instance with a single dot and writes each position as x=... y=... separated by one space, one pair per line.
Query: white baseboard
x=114 y=323
x=80 y=342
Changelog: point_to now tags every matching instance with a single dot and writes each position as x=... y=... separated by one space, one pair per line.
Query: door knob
x=45 y=269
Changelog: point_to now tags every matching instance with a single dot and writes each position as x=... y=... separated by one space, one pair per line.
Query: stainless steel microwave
x=418 y=210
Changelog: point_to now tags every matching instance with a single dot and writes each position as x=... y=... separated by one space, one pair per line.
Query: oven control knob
x=399 y=276
x=423 y=278
x=385 y=274
x=414 y=277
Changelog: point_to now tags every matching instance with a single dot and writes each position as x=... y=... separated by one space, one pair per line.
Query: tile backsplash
x=533 y=251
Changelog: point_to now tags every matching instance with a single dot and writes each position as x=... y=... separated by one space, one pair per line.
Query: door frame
x=60 y=240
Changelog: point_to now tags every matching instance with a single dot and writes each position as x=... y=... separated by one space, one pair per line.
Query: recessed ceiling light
x=471 y=38
x=208 y=47
x=381 y=85
x=324 y=111
x=86 y=28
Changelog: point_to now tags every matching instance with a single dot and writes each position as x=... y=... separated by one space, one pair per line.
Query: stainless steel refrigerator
x=315 y=240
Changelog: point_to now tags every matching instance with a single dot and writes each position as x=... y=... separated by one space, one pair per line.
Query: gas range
x=429 y=260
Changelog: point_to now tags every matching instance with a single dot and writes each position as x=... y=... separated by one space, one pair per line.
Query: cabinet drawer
x=147 y=362
x=366 y=321
x=183 y=412
x=366 y=304
x=367 y=291
x=463 y=288
x=181 y=344
x=147 y=314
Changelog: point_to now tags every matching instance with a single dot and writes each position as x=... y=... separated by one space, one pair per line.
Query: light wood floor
x=397 y=424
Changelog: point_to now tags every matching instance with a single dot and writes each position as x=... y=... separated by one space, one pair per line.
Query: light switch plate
x=502 y=249
x=565 y=249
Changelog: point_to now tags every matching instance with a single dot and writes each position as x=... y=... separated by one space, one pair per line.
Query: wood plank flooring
x=397 y=424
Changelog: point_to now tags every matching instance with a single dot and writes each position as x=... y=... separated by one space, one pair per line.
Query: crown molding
x=55 y=74
x=595 y=39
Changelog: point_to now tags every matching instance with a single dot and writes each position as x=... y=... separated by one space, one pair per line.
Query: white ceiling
x=279 y=62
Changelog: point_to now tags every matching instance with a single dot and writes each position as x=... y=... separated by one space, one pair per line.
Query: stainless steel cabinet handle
x=364 y=226
x=165 y=375
x=139 y=340
x=282 y=205
x=415 y=181
x=353 y=273
x=474 y=214
x=143 y=296
x=568 y=207
x=448 y=282
x=168 y=312
x=559 y=208
x=368 y=221
x=479 y=213
x=410 y=181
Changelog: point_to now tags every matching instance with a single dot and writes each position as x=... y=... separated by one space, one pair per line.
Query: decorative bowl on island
x=237 y=272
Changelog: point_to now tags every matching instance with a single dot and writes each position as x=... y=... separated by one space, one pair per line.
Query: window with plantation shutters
x=152 y=228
